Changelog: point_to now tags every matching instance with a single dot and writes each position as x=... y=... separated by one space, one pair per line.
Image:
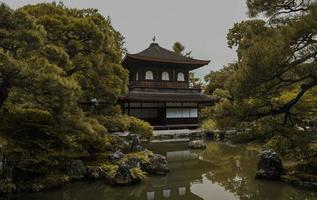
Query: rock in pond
x=197 y=144
x=157 y=165
x=76 y=169
x=270 y=166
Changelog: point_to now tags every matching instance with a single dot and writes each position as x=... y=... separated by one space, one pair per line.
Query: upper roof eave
x=157 y=54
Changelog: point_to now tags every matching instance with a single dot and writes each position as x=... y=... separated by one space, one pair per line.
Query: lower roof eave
x=202 y=99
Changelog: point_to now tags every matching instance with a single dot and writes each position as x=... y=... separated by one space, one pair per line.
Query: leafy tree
x=274 y=80
x=86 y=46
x=178 y=48
x=277 y=61
x=51 y=58
x=218 y=79
x=280 y=62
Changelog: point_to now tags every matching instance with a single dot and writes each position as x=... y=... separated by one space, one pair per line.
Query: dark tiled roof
x=167 y=97
x=155 y=53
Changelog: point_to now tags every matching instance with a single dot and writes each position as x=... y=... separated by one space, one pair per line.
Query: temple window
x=165 y=76
x=149 y=75
x=137 y=76
x=180 y=76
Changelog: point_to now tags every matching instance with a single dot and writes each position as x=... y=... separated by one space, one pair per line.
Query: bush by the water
x=243 y=136
x=127 y=123
x=208 y=125
x=140 y=127
x=293 y=145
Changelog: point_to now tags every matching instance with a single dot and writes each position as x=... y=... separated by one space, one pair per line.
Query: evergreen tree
x=51 y=58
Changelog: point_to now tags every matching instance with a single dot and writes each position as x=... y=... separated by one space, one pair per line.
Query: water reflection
x=220 y=172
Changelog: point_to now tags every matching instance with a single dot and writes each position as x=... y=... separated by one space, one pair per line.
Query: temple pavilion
x=159 y=88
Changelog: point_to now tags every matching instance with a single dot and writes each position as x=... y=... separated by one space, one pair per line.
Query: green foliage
x=277 y=7
x=274 y=60
x=272 y=87
x=137 y=174
x=308 y=166
x=209 y=125
x=115 y=123
x=239 y=137
x=142 y=128
x=142 y=156
x=127 y=123
x=293 y=145
x=110 y=170
x=178 y=48
x=51 y=59
x=217 y=79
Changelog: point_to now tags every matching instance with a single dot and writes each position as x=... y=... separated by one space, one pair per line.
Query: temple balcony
x=162 y=85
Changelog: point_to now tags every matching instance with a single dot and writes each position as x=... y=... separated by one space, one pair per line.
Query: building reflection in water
x=177 y=184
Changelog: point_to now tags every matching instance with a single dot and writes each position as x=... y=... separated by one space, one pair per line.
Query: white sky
x=200 y=25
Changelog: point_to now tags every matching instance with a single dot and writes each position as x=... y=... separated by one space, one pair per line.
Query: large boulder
x=197 y=144
x=76 y=169
x=270 y=166
x=157 y=165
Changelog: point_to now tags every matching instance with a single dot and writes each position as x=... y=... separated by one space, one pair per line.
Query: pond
x=221 y=172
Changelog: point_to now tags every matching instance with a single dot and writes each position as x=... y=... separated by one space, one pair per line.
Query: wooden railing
x=159 y=84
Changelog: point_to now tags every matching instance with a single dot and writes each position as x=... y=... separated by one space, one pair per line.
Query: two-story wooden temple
x=159 y=88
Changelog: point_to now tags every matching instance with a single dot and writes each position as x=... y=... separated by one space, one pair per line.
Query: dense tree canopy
x=52 y=60
x=276 y=72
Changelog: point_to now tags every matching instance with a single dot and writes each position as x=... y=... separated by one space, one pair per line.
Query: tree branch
x=286 y=108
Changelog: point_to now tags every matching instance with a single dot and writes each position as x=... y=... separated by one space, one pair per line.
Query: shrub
x=244 y=136
x=110 y=170
x=115 y=123
x=294 y=144
x=142 y=156
x=137 y=174
x=208 y=125
x=140 y=127
x=127 y=123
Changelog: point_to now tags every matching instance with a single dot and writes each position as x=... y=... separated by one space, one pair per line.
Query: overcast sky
x=200 y=25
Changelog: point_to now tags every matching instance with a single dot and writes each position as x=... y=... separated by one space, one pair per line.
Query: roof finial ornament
x=153 y=39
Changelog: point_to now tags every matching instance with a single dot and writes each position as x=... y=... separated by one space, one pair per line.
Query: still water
x=221 y=172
